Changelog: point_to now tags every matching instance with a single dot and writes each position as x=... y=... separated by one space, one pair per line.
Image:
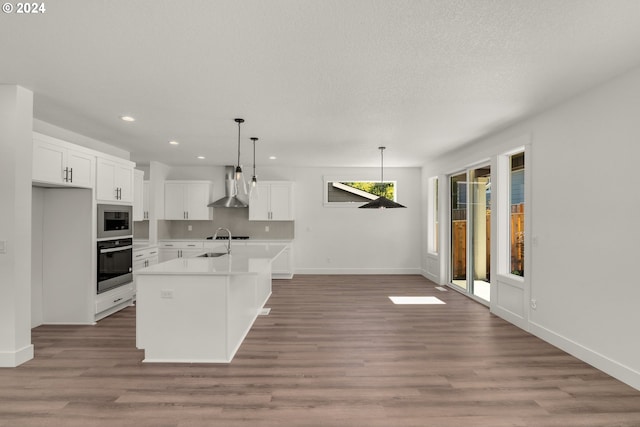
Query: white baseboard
x=617 y=370
x=510 y=317
x=11 y=359
x=430 y=276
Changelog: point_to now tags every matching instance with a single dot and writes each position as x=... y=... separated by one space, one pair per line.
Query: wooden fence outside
x=459 y=244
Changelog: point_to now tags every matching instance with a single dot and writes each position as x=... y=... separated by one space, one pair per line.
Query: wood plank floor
x=334 y=351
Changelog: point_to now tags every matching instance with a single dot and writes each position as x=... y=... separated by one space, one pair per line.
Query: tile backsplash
x=236 y=220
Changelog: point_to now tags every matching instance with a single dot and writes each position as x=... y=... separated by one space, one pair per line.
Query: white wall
x=330 y=240
x=76 y=138
x=16 y=112
x=37 y=238
x=584 y=206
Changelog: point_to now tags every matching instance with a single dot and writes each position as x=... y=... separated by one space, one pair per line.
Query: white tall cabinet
x=272 y=201
x=70 y=181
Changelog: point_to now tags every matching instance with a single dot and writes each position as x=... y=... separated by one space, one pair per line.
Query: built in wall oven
x=114 y=221
x=115 y=262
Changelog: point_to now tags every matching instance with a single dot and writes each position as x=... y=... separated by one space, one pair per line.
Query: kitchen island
x=199 y=310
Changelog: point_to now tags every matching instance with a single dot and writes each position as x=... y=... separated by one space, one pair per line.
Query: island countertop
x=242 y=260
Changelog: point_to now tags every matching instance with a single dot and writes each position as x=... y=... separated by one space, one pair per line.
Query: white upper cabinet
x=61 y=163
x=272 y=201
x=138 y=195
x=187 y=200
x=145 y=199
x=114 y=181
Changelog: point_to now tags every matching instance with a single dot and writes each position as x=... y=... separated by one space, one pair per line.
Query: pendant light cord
x=239 y=143
x=254 y=179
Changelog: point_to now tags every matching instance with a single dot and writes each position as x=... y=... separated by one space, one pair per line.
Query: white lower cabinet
x=169 y=250
x=145 y=257
x=111 y=301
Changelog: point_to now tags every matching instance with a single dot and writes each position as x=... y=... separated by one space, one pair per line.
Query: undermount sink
x=212 y=254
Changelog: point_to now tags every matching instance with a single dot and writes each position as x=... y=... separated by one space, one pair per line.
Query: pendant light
x=238 y=167
x=254 y=179
x=382 y=202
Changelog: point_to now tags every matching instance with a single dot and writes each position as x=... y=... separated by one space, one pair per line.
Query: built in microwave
x=114 y=221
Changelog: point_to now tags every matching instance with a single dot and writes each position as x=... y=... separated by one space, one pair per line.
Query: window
x=516 y=223
x=432 y=217
x=356 y=192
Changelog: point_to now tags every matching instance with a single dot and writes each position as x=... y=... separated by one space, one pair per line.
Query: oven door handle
x=121 y=248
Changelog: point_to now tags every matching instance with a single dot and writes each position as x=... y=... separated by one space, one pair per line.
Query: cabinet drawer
x=114 y=297
x=181 y=245
x=140 y=254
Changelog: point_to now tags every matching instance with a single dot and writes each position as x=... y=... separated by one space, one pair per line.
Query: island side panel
x=243 y=309
x=263 y=283
x=182 y=318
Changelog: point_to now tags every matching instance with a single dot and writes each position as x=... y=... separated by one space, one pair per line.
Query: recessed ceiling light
x=174 y=143
x=201 y=157
x=272 y=157
x=128 y=118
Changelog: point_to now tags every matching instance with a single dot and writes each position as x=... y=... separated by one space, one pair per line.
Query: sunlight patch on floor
x=416 y=300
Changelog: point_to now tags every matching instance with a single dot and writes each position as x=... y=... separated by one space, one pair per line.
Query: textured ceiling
x=321 y=83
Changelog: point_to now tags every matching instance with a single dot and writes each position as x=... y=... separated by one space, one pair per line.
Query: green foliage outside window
x=384 y=189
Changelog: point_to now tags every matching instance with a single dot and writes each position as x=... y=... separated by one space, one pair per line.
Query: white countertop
x=249 y=240
x=242 y=260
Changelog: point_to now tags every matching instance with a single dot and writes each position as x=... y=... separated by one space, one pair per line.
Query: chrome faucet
x=215 y=236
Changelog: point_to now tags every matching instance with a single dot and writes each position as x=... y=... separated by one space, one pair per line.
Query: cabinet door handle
x=187 y=214
x=70 y=174
x=116 y=300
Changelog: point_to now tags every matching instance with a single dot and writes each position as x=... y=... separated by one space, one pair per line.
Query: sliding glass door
x=480 y=235
x=471 y=231
x=459 y=227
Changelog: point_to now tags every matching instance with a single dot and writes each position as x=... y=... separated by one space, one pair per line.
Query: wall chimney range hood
x=230 y=200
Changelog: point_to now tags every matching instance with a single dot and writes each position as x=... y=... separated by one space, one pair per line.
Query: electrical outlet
x=266 y=228
x=3 y=246
x=189 y=227
x=166 y=293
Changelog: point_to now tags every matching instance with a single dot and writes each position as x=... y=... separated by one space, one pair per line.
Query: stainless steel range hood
x=230 y=200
